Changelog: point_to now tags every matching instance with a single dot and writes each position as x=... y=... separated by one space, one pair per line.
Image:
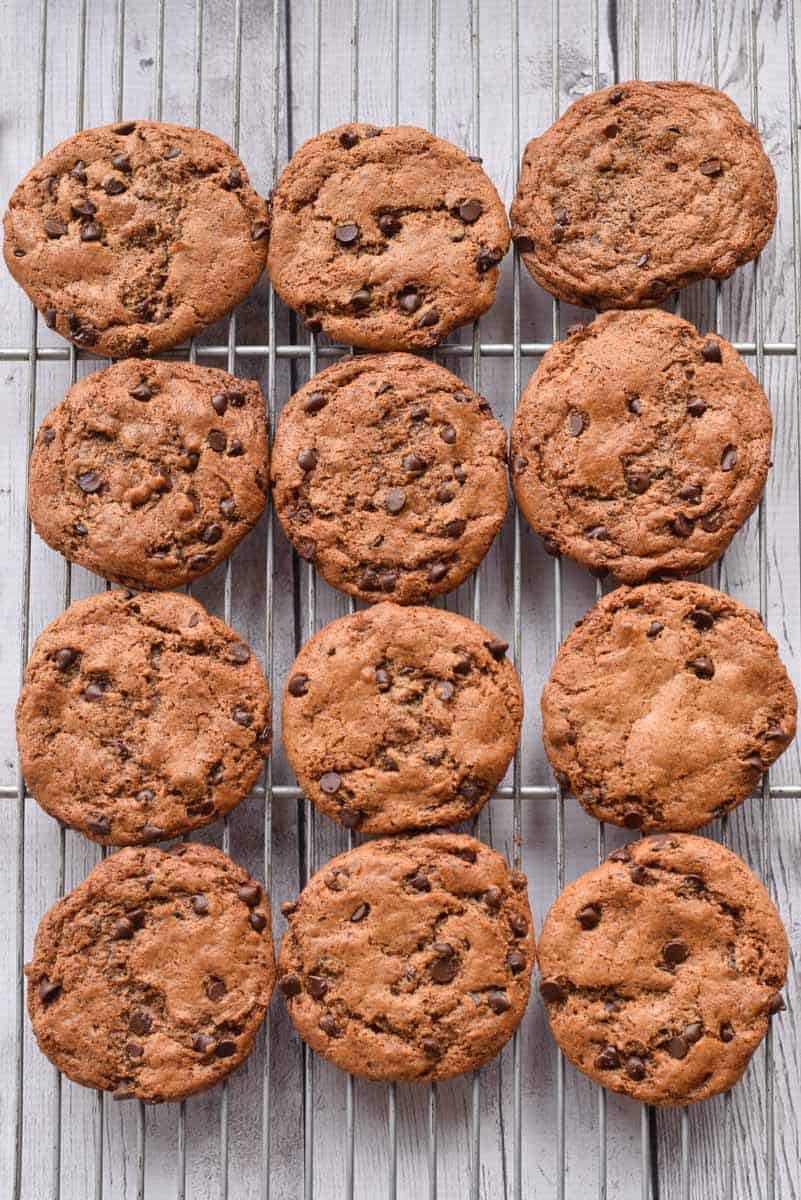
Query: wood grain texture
x=445 y=48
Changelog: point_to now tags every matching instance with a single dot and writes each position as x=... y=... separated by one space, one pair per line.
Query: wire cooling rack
x=485 y=73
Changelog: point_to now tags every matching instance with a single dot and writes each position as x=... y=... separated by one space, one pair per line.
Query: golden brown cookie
x=409 y=958
x=401 y=718
x=150 y=473
x=386 y=238
x=151 y=979
x=640 y=446
x=141 y=717
x=665 y=705
x=389 y=475
x=131 y=238
x=640 y=189
x=661 y=968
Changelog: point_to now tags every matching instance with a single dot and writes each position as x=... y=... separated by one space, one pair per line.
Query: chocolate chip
x=200 y=904
x=448 y=434
x=348 y=139
x=470 y=211
x=691 y=493
x=99 y=825
x=315 y=402
x=493 y=897
x=444 y=690
x=298 y=685
x=682 y=525
x=307 y=460
x=726 y=1032
x=497 y=649
x=122 y=928
x=189 y=462
x=519 y=924
x=389 y=224
x=638 y=483
x=486 y=259
x=352 y=818
x=54 y=228
x=712 y=522
x=127 y=127
x=259 y=230
x=142 y=392
x=91 y=232
x=89 y=481
x=114 y=187
x=711 y=166
x=561 y=216
x=413 y=464
x=419 y=412
x=202 y=1043
x=94 y=691
x=677 y=1047
x=316 y=986
x=361 y=298
x=329 y=1025
x=557 y=234
x=289 y=985
x=134 y=1050
x=219 y=403
x=710 y=351
x=217 y=440
x=696 y=407
x=250 y=894
x=242 y=716
x=524 y=244
x=430 y=1047
x=498 y=1001
x=675 y=951
x=633 y=819
x=516 y=961
x=776 y=1004
x=638 y=874
x=437 y=572
x=409 y=300
x=211 y=534
x=226 y=1049
x=257 y=921
x=635 y=1067
x=692 y=1033
x=454 y=529
x=121 y=162
x=444 y=493
x=459 y=473
x=728 y=459
x=622 y=854
x=643 y=260
x=236 y=448
x=49 y=991
x=445 y=968
x=552 y=991
x=589 y=916
x=470 y=791
x=140 y=1023
x=330 y=783
x=420 y=882
x=395 y=500
x=238 y=652
x=216 y=990
x=234 y=180
x=608 y=1059
x=701 y=619
x=695 y=883
x=597 y=533
x=576 y=423
x=702 y=666
x=428 y=319
x=359 y=913
x=346 y=235
x=634 y=405
x=50 y=315
x=65 y=657
x=382 y=679
x=611 y=130
x=775 y=733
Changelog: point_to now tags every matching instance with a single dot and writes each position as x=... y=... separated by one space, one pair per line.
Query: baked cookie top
x=640 y=446
x=409 y=958
x=389 y=475
x=141 y=717
x=665 y=706
x=130 y=238
x=150 y=473
x=401 y=718
x=152 y=977
x=661 y=968
x=640 y=189
x=386 y=238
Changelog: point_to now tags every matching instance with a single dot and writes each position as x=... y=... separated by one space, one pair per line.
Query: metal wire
x=475 y=350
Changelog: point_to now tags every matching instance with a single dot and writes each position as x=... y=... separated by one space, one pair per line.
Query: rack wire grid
x=487 y=74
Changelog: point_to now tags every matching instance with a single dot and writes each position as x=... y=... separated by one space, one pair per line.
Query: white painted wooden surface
x=76 y=1147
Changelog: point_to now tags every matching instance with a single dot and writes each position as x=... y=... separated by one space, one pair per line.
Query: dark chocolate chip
x=259 y=230
x=519 y=925
x=330 y=783
x=121 y=162
x=470 y=211
x=298 y=685
x=691 y=493
x=589 y=916
x=89 y=481
x=361 y=298
x=395 y=500
x=710 y=351
x=726 y=1032
x=142 y=391
x=634 y=405
x=250 y=894
x=211 y=534
x=91 y=232
x=409 y=300
x=516 y=961
x=638 y=874
x=114 y=187
x=486 y=259
x=677 y=1047
x=216 y=990
x=702 y=666
x=692 y=1033
x=597 y=533
x=50 y=315
x=497 y=649
x=242 y=716
x=49 y=991
x=635 y=1067
x=140 y=1023
x=675 y=951
x=134 y=1050
x=307 y=460
x=448 y=434
x=65 y=657
x=608 y=1059
x=552 y=991
x=696 y=407
x=437 y=572
x=217 y=440
x=413 y=464
x=94 y=691
x=622 y=854
x=127 y=127
x=633 y=819
x=329 y=1025
x=79 y=171
x=712 y=522
x=316 y=986
x=499 y=1002
x=289 y=985
x=257 y=921
x=219 y=402
x=454 y=529
x=99 y=825
x=238 y=653
x=54 y=228
x=711 y=166
x=225 y=1048
x=445 y=968
x=389 y=224
x=682 y=525
x=420 y=882
x=444 y=493
x=346 y=235
x=122 y=928
x=524 y=244
x=638 y=483
x=701 y=618
x=776 y=1004
x=728 y=459
x=428 y=319
x=236 y=448
x=315 y=402
x=359 y=913
x=200 y=904
x=576 y=423
x=348 y=139
x=643 y=260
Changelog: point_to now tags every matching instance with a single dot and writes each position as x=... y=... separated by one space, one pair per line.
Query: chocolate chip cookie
x=409 y=958
x=665 y=706
x=640 y=446
x=386 y=238
x=151 y=979
x=150 y=473
x=388 y=475
x=640 y=189
x=661 y=968
x=401 y=718
x=141 y=717
x=131 y=238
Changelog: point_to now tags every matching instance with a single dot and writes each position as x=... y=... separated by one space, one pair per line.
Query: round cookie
x=401 y=718
x=409 y=958
x=389 y=475
x=386 y=238
x=639 y=190
x=639 y=446
x=150 y=473
x=151 y=979
x=665 y=706
x=660 y=969
x=141 y=717
x=131 y=238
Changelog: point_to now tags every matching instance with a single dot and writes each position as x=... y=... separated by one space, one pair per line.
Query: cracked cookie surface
x=141 y=717
x=639 y=190
x=401 y=718
x=661 y=968
x=665 y=705
x=640 y=446
x=151 y=979
x=409 y=958
x=150 y=473
x=388 y=474
x=386 y=238
x=130 y=238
